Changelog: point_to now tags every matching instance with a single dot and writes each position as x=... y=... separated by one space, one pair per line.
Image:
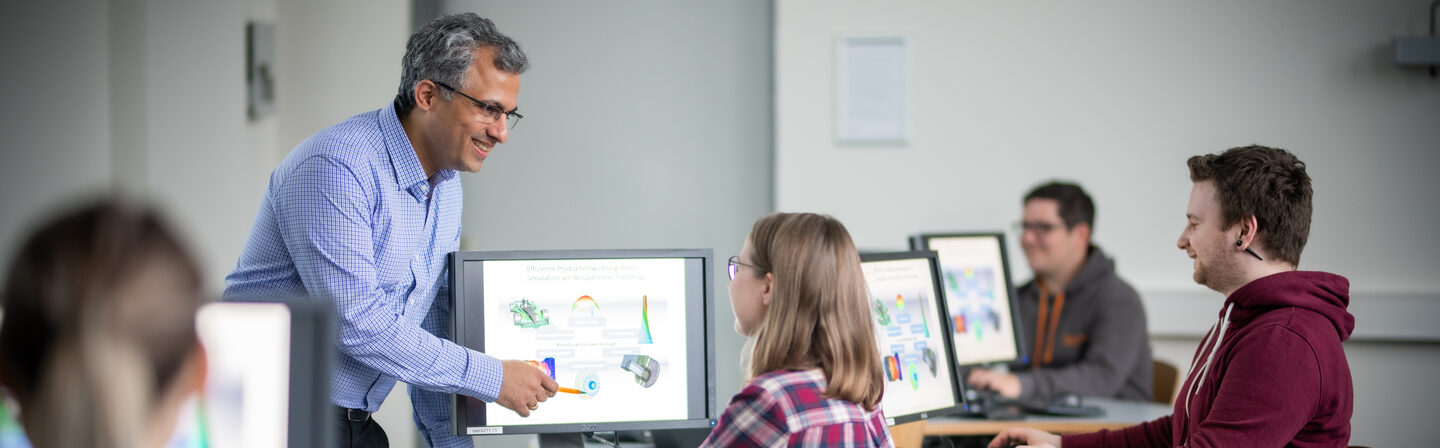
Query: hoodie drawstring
x=1045 y=346
x=1205 y=368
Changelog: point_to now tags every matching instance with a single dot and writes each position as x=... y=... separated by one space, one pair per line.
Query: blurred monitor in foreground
x=269 y=376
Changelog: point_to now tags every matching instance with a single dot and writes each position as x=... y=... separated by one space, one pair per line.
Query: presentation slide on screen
x=909 y=333
x=611 y=331
x=978 y=298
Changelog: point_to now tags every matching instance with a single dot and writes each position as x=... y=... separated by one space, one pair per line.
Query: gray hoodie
x=1099 y=348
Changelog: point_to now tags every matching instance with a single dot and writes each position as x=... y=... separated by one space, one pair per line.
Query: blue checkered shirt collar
x=409 y=174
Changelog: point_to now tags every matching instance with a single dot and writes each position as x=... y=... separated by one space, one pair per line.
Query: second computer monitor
x=909 y=316
x=981 y=302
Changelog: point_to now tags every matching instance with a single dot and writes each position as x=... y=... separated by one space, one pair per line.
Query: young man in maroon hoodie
x=1272 y=371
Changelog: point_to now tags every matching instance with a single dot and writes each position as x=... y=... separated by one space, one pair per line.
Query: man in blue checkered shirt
x=364 y=213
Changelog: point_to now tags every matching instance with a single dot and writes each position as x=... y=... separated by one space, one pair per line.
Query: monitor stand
x=562 y=440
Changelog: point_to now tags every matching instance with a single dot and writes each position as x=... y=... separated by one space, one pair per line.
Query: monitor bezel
x=922 y=242
x=956 y=385
x=458 y=410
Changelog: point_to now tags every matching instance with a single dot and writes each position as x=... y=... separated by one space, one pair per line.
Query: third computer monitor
x=626 y=333
x=981 y=303
x=909 y=316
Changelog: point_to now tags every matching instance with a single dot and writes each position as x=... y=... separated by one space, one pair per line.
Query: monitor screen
x=247 y=390
x=624 y=332
x=268 y=380
x=905 y=300
x=981 y=303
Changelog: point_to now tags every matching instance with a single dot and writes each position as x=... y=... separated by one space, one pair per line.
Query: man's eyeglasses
x=1038 y=228
x=734 y=266
x=489 y=112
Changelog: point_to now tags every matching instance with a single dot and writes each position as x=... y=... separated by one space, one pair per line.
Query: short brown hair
x=1267 y=183
x=1075 y=204
x=819 y=313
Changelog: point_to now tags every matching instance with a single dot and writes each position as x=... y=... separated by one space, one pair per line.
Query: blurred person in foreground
x=98 y=342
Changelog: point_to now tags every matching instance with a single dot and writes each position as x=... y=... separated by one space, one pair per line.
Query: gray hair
x=443 y=50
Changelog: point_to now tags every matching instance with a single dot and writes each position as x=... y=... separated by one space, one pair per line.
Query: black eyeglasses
x=734 y=266
x=488 y=111
x=1038 y=228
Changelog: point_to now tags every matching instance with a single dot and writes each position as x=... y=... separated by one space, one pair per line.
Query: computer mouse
x=1069 y=400
x=971 y=394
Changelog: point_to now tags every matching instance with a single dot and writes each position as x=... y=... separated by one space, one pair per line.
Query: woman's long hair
x=99 y=320
x=819 y=314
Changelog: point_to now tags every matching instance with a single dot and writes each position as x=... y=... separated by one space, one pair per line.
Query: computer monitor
x=910 y=317
x=981 y=301
x=268 y=382
x=626 y=331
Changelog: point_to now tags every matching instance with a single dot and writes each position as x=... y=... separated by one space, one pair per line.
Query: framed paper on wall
x=872 y=91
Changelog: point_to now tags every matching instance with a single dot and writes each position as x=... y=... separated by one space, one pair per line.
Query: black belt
x=354 y=415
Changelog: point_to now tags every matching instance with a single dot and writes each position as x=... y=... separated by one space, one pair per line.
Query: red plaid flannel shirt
x=785 y=408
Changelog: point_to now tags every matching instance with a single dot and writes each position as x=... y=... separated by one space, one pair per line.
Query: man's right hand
x=1005 y=384
x=524 y=386
x=1024 y=437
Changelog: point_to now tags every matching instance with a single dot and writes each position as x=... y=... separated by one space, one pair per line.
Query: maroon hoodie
x=1276 y=375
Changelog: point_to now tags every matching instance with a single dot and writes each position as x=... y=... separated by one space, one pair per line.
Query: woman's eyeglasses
x=734 y=266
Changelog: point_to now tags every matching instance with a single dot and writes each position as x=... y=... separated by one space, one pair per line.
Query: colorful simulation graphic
x=588 y=383
x=645 y=369
x=527 y=315
x=906 y=335
x=882 y=316
x=645 y=320
x=973 y=297
x=585 y=311
x=546 y=365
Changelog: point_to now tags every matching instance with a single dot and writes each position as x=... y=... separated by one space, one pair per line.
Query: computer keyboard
x=990 y=405
x=1061 y=409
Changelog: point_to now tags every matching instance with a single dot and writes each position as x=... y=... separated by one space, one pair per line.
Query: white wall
x=144 y=97
x=335 y=59
x=1116 y=95
x=198 y=160
x=55 y=119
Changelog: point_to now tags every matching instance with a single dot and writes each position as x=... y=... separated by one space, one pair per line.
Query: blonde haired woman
x=98 y=344
x=798 y=292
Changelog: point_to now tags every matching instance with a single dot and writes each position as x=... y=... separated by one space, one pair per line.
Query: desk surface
x=1118 y=414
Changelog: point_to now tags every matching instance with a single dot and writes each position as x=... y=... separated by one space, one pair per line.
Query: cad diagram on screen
x=906 y=335
x=974 y=304
x=610 y=332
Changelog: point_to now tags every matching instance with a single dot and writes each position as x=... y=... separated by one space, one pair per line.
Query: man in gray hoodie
x=1084 y=326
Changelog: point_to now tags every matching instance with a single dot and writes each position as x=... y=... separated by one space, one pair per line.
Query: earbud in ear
x=1239 y=243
